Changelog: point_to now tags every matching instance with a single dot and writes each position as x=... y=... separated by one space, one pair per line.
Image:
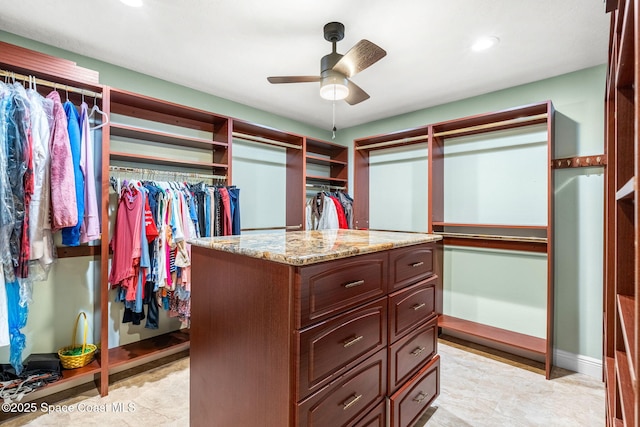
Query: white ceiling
x=229 y=47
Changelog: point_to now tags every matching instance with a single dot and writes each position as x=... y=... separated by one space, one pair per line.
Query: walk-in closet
x=319 y=215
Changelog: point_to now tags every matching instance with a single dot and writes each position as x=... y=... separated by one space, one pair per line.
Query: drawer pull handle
x=418 y=306
x=417 y=351
x=349 y=403
x=349 y=343
x=420 y=397
x=417 y=264
x=353 y=284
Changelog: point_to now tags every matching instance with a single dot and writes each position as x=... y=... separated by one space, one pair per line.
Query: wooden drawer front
x=375 y=418
x=326 y=289
x=330 y=348
x=409 y=403
x=349 y=398
x=410 y=353
x=410 y=264
x=411 y=307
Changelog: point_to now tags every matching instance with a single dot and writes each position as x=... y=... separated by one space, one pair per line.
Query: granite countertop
x=310 y=247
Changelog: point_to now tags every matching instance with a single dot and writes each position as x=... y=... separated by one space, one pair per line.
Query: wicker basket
x=87 y=351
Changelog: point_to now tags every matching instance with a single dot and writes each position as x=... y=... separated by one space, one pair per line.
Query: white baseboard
x=578 y=363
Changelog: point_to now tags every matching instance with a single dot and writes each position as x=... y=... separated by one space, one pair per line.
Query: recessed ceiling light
x=484 y=43
x=132 y=3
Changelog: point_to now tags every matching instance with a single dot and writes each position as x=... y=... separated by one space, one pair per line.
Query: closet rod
x=322 y=187
x=47 y=83
x=175 y=173
x=253 y=138
x=395 y=142
x=517 y=120
x=286 y=227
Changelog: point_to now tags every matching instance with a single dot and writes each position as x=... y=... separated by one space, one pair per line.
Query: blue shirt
x=71 y=235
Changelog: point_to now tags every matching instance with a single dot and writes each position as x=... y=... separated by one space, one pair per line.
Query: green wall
x=578 y=99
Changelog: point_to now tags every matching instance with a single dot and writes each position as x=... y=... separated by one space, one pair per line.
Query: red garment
x=226 y=212
x=150 y=228
x=125 y=243
x=342 y=218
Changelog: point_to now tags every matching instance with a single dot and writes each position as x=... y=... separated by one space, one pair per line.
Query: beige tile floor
x=478 y=388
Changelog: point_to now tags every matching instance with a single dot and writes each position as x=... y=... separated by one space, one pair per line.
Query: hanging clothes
x=63 y=194
x=37 y=196
x=173 y=213
x=71 y=234
x=328 y=211
x=40 y=236
x=347 y=206
x=90 y=225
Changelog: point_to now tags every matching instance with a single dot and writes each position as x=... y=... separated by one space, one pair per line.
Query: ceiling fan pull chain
x=334 y=121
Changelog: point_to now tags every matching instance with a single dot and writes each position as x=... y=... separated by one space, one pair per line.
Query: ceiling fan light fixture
x=334 y=87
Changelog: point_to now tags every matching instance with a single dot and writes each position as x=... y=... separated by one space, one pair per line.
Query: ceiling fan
x=336 y=69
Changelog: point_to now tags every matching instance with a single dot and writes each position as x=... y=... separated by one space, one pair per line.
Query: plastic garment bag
x=17 y=320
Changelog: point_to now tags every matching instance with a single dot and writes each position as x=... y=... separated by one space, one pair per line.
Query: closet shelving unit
x=520 y=237
x=295 y=175
x=362 y=150
x=331 y=158
x=622 y=231
x=184 y=122
x=72 y=81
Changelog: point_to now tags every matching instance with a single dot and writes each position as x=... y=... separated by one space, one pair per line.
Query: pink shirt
x=64 y=205
x=125 y=243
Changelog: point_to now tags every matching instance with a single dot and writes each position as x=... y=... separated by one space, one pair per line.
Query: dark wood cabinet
x=332 y=347
x=409 y=354
x=410 y=307
x=410 y=402
x=327 y=289
x=349 y=398
x=282 y=345
x=409 y=265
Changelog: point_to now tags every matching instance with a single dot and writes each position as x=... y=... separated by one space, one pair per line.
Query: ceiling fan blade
x=356 y=94
x=293 y=79
x=363 y=55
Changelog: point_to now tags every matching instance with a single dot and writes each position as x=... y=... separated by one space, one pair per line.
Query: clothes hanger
x=96 y=109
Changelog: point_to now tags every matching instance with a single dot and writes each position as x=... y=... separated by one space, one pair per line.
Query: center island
x=314 y=328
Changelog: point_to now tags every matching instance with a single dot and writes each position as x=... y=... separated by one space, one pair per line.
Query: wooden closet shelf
x=326 y=178
x=324 y=161
x=488 y=122
x=506 y=227
x=267 y=132
x=138 y=133
x=626 y=317
x=502 y=336
x=503 y=245
x=625 y=385
x=150 y=348
x=77 y=251
x=624 y=69
x=326 y=148
x=121 y=99
x=628 y=190
x=69 y=378
x=164 y=161
x=526 y=239
x=72 y=374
